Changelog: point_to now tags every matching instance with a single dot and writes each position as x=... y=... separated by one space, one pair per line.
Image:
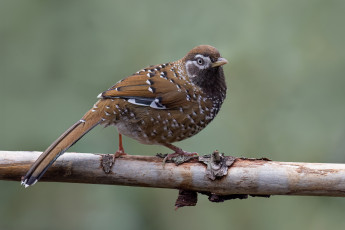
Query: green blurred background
x=285 y=102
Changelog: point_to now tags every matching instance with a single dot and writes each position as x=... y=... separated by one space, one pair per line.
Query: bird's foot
x=179 y=157
x=108 y=160
x=180 y=154
x=120 y=152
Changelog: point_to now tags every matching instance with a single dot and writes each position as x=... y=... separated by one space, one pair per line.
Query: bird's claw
x=178 y=157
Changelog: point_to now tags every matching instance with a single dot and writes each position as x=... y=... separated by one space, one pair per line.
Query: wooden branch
x=244 y=176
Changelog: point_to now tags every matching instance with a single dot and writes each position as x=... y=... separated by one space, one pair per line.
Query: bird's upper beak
x=220 y=61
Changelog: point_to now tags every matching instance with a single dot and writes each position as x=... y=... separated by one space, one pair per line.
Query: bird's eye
x=200 y=61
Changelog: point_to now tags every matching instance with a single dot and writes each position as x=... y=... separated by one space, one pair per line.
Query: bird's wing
x=158 y=89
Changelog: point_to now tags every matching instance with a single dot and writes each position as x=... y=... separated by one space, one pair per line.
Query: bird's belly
x=134 y=131
x=155 y=126
x=168 y=127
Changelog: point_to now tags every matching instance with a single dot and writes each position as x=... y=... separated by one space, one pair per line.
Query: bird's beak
x=220 y=61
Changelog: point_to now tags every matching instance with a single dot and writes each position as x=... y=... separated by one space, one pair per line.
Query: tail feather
x=58 y=147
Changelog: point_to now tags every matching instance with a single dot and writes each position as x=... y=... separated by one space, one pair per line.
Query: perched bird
x=160 y=104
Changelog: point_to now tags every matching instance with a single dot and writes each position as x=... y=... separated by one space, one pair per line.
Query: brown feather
x=58 y=147
x=171 y=90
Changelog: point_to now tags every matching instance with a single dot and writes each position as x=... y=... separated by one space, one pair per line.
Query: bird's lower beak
x=220 y=61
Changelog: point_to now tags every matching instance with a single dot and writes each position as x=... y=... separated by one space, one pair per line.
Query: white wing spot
x=170 y=134
x=133 y=101
x=156 y=104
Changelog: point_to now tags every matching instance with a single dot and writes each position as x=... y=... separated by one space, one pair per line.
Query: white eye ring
x=200 y=61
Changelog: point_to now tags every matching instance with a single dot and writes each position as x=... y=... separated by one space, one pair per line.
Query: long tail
x=58 y=147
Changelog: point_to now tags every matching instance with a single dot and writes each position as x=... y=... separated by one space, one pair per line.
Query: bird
x=159 y=105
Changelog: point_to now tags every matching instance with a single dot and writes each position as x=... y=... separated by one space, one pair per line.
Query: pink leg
x=178 y=152
x=120 y=151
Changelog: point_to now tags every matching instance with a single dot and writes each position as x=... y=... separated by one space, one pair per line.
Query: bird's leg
x=120 y=151
x=178 y=152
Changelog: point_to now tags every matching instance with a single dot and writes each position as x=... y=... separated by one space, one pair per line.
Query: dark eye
x=200 y=61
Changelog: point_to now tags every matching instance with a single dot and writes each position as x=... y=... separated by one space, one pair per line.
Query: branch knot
x=217 y=164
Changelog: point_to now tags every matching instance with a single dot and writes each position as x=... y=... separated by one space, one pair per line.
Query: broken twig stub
x=107 y=161
x=217 y=164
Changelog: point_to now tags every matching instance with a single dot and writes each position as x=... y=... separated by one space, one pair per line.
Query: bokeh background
x=285 y=102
